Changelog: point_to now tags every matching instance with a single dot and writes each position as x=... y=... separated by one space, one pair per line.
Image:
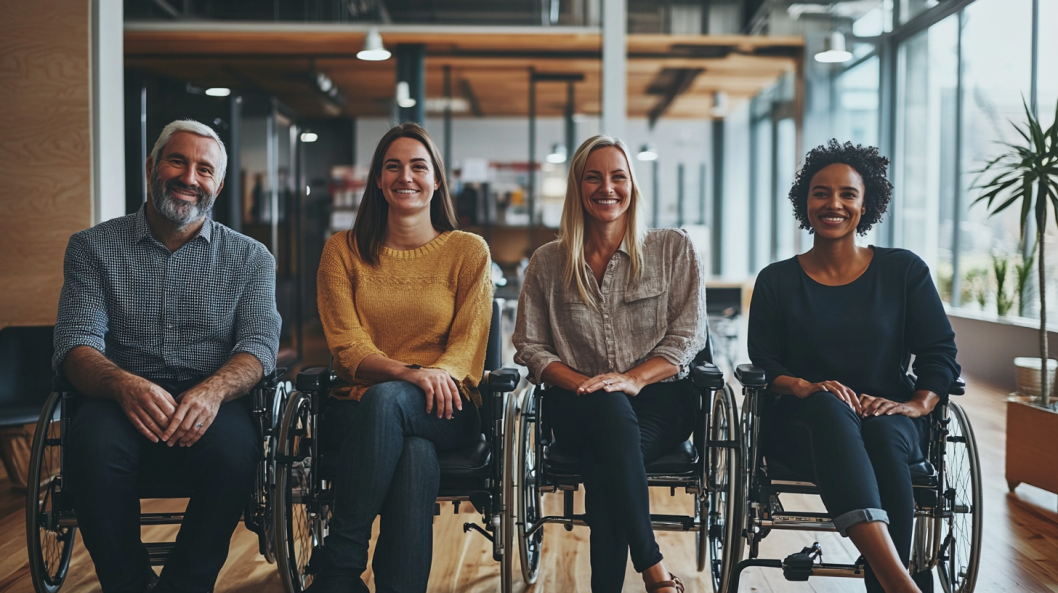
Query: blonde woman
x=610 y=317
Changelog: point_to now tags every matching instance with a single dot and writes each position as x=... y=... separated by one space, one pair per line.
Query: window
x=925 y=147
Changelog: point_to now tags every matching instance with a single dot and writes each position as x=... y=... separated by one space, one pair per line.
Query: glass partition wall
x=937 y=92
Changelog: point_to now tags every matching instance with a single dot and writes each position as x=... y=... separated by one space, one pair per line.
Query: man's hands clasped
x=161 y=418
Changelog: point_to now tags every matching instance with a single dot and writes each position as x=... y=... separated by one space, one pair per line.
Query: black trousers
x=615 y=436
x=104 y=455
x=859 y=463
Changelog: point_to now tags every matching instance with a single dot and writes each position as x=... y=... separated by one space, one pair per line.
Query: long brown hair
x=372 y=217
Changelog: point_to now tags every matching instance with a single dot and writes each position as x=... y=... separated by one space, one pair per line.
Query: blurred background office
x=719 y=99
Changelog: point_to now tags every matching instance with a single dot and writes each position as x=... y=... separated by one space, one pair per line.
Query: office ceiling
x=671 y=76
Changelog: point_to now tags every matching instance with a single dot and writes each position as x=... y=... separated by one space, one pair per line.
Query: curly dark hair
x=865 y=160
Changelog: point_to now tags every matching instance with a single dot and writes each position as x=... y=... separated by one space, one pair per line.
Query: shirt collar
x=624 y=246
x=143 y=231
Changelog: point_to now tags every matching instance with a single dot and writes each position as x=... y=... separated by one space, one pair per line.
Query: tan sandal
x=674 y=582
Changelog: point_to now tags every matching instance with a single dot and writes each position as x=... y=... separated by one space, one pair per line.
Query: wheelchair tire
x=49 y=544
x=960 y=553
x=530 y=503
x=508 y=467
x=300 y=520
x=265 y=495
x=719 y=541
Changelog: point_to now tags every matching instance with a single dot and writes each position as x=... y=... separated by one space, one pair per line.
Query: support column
x=679 y=195
x=448 y=118
x=655 y=181
x=530 y=194
x=614 y=57
x=571 y=126
x=716 y=234
x=411 y=69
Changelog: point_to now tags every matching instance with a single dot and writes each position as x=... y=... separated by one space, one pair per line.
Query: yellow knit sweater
x=430 y=306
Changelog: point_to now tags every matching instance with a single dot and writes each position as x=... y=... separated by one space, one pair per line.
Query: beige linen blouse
x=663 y=314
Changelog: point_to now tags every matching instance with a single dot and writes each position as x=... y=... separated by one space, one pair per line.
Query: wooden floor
x=1020 y=540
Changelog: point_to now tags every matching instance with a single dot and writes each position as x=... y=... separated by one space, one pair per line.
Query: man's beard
x=177 y=211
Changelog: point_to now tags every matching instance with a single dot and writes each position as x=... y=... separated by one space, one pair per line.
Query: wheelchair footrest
x=672 y=522
x=159 y=552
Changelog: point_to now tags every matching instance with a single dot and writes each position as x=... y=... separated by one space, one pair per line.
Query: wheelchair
x=544 y=466
x=51 y=523
x=305 y=470
x=947 y=493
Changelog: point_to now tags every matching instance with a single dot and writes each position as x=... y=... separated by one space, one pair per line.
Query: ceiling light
x=309 y=137
x=834 y=50
x=218 y=91
x=324 y=82
x=648 y=153
x=404 y=98
x=373 y=50
x=558 y=154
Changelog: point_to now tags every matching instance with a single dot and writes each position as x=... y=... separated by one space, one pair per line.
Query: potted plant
x=1026 y=176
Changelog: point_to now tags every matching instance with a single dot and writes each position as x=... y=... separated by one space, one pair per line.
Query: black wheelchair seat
x=456 y=464
x=680 y=460
x=923 y=474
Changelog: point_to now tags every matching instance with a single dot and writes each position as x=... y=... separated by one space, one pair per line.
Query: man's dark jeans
x=104 y=455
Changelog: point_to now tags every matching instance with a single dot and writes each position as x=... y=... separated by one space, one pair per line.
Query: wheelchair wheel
x=49 y=543
x=300 y=519
x=509 y=467
x=530 y=507
x=960 y=552
x=718 y=546
x=275 y=405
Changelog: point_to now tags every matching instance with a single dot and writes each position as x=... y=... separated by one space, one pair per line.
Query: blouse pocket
x=646 y=310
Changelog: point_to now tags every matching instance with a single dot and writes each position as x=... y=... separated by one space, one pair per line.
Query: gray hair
x=194 y=127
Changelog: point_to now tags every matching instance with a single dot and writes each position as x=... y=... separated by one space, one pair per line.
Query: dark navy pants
x=388 y=467
x=860 y=464
x=104 y=456
x=615 y=436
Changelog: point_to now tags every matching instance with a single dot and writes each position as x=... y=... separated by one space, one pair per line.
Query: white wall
x=736 y=194
x=108 y=105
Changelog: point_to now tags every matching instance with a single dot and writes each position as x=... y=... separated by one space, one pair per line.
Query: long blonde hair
x=571 y=229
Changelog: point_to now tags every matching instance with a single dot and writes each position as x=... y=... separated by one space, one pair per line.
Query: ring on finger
x=606 y=383
x=199 y=425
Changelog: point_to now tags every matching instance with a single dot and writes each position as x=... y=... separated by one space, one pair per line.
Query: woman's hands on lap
x=442 y=395
x=879 y=406
x=804 y=389
x=611 y=383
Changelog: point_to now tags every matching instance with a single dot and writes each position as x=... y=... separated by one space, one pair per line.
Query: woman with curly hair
x=834 y=328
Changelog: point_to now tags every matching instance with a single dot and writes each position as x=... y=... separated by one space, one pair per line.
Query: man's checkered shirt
x=162 y=315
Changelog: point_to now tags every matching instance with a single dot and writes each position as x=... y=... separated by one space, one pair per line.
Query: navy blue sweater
x=860 y=334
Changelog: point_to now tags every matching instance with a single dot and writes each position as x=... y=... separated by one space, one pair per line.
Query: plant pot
x=1030 y=445
x=1027 y=374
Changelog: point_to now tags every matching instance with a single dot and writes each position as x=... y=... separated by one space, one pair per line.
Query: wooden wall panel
x=45 y=151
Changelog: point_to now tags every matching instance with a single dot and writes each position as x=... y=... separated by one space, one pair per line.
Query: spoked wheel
x=529 y=510
x=510 y=480
x=276 y=405
x=720 y=538
x=49 y=543
x=960 y=552
x=300 y=519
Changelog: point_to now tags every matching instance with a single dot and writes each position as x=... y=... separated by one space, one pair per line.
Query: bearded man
x=166 y=320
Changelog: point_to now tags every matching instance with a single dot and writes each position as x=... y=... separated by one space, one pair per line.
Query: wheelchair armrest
x=750 y=376
x=503 y=380
x=958 y=387
x=707 y=376
x=314 y=379
x=60 y=383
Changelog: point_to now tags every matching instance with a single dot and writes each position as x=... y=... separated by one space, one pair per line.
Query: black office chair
x=699 y=466
x=25 y=371
x=306 y=470
x=51 y=522
x=947 y=491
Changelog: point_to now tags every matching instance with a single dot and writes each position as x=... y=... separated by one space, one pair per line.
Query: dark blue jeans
x=104 y=456
x=615 y=436
x=388 y=468
x=860 y=464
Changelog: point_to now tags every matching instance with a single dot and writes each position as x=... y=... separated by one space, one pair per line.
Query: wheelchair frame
x=713 y=443
x=304 y=497
x=938 y=501
x=51 y=523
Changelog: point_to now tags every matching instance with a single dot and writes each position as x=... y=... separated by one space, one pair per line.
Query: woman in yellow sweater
x=405 y=301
